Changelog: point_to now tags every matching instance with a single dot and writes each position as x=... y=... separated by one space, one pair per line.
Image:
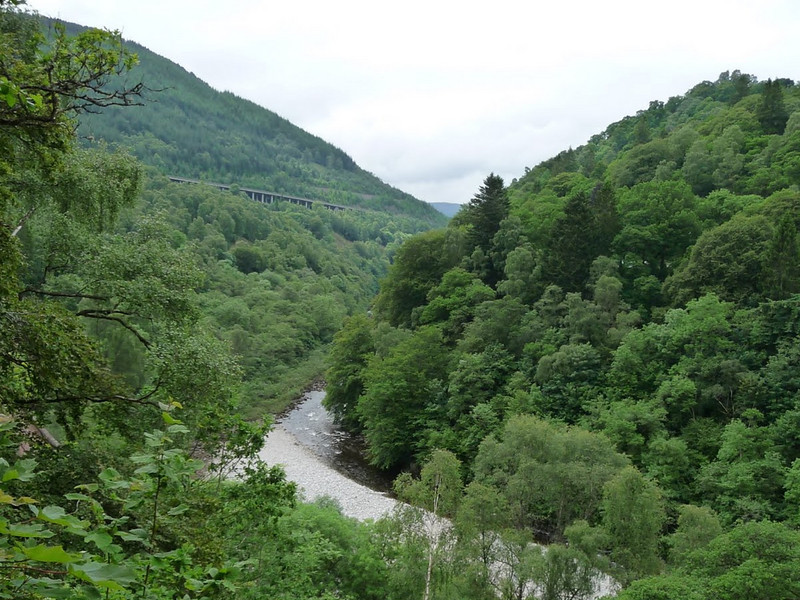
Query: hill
x=449 y=209
x=602 y=356
x=318 y=266
x=613 y=339
x=188 y=129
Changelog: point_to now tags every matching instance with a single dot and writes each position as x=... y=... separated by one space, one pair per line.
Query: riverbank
x=306 y=443
x=279 y=397
x=315 y=479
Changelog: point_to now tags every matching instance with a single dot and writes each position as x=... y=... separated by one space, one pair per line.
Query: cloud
x=432 y=95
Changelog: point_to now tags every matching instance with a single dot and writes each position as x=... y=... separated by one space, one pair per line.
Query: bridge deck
x=266 y=197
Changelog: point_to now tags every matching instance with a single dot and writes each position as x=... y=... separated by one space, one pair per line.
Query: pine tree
x=486 y=210
x=772 y=113
x=483 y=216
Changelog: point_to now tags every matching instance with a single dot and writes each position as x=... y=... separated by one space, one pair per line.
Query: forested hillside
x=187 y=129
x=609 y=346
x=140 y=322
x=276 y=280
x=601 y=356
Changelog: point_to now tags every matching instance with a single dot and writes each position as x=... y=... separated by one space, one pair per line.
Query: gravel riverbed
x=311 y=472
x=306 y=443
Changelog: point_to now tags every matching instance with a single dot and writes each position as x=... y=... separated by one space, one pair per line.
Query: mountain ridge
x=187 y=128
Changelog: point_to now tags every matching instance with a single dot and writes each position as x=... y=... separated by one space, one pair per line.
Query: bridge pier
x=265 y=197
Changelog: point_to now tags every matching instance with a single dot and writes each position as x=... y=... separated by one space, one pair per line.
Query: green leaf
x=169 y=419
x=25 y=469
x=78 y=497
x=90 y=592
x=8 y=96
x=149 y=469
x=58 y=516
x=53 y=514
x=51 y=554
x=100 y=539
x=177 y=429
x=57 y=593
x=135 y=535
x=112 y=479
x=112 y=577
x=89 y=487
x=178 y=510
x=35 y=530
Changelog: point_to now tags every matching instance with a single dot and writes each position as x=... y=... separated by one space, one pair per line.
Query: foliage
x=643 y=287
x=89 y=548
x=633 y=516
x=116 y=310
x=605 y=352
x=548 y=475
x=398 y=388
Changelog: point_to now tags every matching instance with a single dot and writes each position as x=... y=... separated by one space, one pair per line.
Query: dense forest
x=608 y=348
x=600 y=357
x=147 y=328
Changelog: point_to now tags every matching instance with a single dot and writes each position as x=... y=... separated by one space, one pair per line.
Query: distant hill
x=448 y=209
x=189 y=129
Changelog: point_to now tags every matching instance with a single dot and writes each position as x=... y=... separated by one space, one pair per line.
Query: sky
x=434 y=95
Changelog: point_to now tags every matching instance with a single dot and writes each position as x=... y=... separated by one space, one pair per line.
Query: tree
x=548 y=475
x=397 y=391
x=43 y=84
x=633 y=516
x=695 y=350
x=482 y=218
x=697 y=526
x=571 y=248
x=782 y=261
x=583 y=232
x=753 y=561
x=745 y=482
x=453 y=301
x=726 y=260
x=658 y=224
x=568 y=378
x=418 y=267
x=350 y=353
x=437 y=492
x=771 y=112
x=485 y=212
x=44 y=350
x=482 y=515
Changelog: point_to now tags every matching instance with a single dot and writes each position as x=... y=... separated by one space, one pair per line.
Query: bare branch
x=61 y=294
x=108 y=315
x=22 y=221
x=144 y=400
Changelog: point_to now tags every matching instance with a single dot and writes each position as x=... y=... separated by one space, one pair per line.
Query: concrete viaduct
x=267 y=197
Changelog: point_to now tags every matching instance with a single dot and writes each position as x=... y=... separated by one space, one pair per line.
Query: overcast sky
x=433 y=95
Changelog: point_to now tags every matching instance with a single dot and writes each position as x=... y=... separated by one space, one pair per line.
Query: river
x=325 y=461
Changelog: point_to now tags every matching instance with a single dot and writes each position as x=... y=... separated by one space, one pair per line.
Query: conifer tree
x=772 y=113
x=486 y=210
x=483 y=216
x=782 y=261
